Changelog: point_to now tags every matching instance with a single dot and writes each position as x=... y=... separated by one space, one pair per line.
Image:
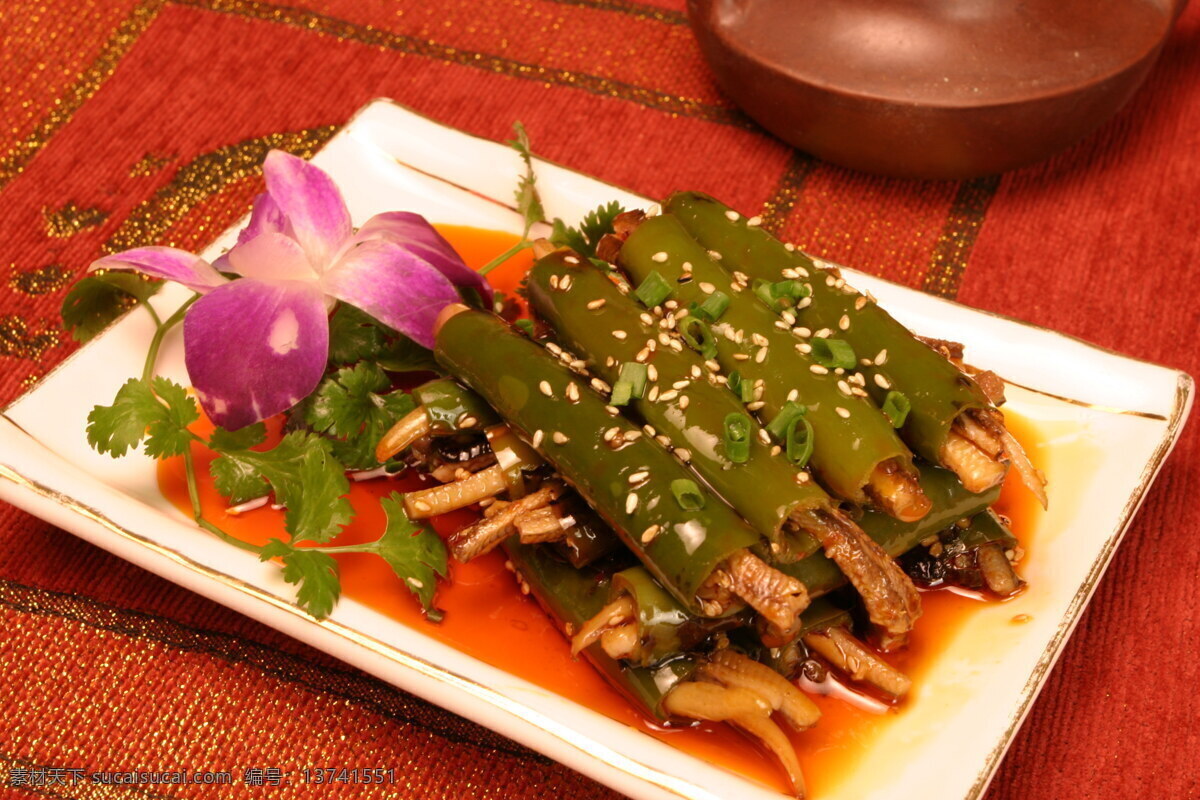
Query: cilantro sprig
x=582 y=239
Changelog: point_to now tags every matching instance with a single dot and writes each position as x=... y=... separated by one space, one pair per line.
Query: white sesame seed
x=537 y=438
x=882 y=382
x=631 y=435
x=776 y=450
x=866 y=362
x=783 y=325
x=653 y=394
x=649 y=429
x=682 y=384
x=565 y=284
x=843 y=387
x=619 y=335
x=663 y=439
x=823 y=333
x=741 y=356
x=560 y=438
x=668 y=395
x=684 y=401
x=788 y=317
x=652 y=372
x=714 y=255
x=803 y=333
x=706 y=287
x=642 y=355
x=671 y=304
x=649 y=534
x=858 y=392
x=731 y=215
x=579 y=365
x=612 y=410
x=801 y=477
x=686 y=267
x=571 y=259
x=792 y=395
x=468 y=422
x=600 y=386
x=610 y=433
x=754 y=222
x=646 y=318
x=881 y=359
x=544 y=388
x=553 y=281
x=789 y=246
x=676 y=346
x=858 y=378
x=760 y=356
x=756 y=405
x=609 y=361
x=572 y=392
x=597 y=303
x=860 y=302
x=553 y=348
x=818 y=369
x=696 y=372
x=759 y=339
x=788 y=272
x=844 y=322
x=712 y=364
x=839 y=283
x=651 y=344
x=840 y=370
x=830 y=280
x=637 y=477
x=683 y=454
x=763 y=436
x=804 y=347
x=659 y=257
x=631 y=501
x=842 y=412
x=805 y=302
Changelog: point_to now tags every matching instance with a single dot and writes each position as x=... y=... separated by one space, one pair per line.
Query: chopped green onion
x=737 y=437
x=741 y=388
x=833 y=353
x=654 y=290
x=762 y=288
x=635 y=375
x=714 y=305
x=699 y=336
x=790 y=412
x=896 y=408
x=621 y=392
x=687 y=494
x=799 y=441
x=525 y=325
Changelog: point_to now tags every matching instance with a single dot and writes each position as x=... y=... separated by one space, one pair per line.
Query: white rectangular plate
x=1106 y=423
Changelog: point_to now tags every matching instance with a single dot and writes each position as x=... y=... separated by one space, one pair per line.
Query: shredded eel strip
x=777 y=597
x=895 y=490
x=976 y=451
x=456 y=494
x=477 y=539
x=855 y=659
x=998 y=573
x=891 y=599
x=614 y=615
x=733 y=688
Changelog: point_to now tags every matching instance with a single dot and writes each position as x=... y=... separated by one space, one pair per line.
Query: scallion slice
x=741 y=388
x=833 y=353
x=687 y=494
x=799 y=441
x=525 y=325
x=654 y=290
x=714 y=305
x=621 y=392
x=635 y=375
x=737 y=437
x=896 y=408
x=698 y=336
x=779 y=426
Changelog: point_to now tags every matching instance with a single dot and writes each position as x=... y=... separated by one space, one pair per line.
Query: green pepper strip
x=589 y=539
x=529 y=388
x=761 y=487
x=572 y=597
x=664 y=626
x=986 y=528
x=937 y=389
x=951 y=503
x=447 y=404
x=847 y=445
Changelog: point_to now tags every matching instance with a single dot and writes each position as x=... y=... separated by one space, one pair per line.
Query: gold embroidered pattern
x=149 y=164
x=90 y=80
x=71 y=219
x=42 y=280
x=954 y=244
x=203 y=177
x=778 y=207
x=17 y=341
x=366 y=34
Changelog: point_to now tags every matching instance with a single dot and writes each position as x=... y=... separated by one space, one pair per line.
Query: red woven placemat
x=131 y=122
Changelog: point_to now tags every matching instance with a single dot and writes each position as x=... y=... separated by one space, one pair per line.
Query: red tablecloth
x=129 y=122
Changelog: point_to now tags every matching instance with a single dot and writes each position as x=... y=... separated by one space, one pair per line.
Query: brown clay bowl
x=931 y=88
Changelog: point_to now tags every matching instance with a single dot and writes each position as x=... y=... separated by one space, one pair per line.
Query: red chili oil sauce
x=487 y=617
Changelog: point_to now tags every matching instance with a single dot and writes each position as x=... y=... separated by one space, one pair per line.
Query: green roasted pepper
x=851 y=438
x=665 y=628
x=680 y=399
x=890 y=357
x=623 y=474
x=451 y=408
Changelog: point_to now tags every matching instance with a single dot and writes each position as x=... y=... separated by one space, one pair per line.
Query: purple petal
x=264 y=216
x=170 y=263
x=414 y=231
x=393 y=284
x=312 y=204
x=270 y=256
x=255 y=348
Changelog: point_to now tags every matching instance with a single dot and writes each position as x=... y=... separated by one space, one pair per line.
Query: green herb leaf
x=591 y=229
x=95 y=302
x=137 y=414
x=241 y=439
x=528 y=201
x=305 y=477
x=414 y=552
x=353 y=407
x=315 y=572
x=356 y=336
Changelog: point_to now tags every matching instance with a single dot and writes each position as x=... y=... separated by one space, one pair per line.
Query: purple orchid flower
x=256 y=346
